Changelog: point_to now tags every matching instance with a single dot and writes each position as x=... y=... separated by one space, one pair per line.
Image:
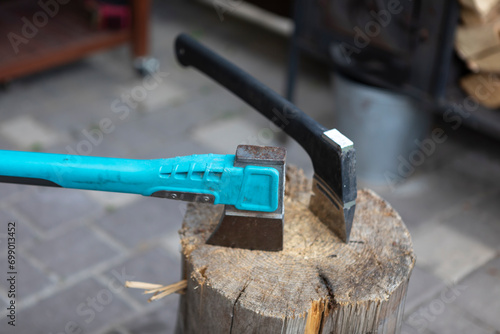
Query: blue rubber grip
x=253 y=188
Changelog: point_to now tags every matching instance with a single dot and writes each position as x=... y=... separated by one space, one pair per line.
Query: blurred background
x=413 y=83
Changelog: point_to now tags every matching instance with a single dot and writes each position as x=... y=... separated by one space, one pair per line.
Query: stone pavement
x=76 y=248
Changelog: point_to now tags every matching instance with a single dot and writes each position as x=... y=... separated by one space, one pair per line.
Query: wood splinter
x=159 y=290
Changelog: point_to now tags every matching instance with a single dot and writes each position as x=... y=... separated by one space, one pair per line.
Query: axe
x=332 y=154
x=250 y=184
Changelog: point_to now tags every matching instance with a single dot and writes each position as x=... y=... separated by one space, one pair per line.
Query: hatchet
x=250 y=184
x=332 y=154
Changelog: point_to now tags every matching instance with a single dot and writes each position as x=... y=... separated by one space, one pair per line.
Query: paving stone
x=193 y=83
x=143 y=221
x=155 y=148
x=122 y=141
x=445 y=152
x=223 y=136
x=11 y=104
x=23 y=98
x=112 y=201
x=114 y=331
x=86 y=117
x=407 y=329
x=87 y=305
x=475 y=149
x=153 y=93
x=199 y=109
x=110 y=147
x=74 y=82
x=161 y=321
x=168 y=149
x=486 y=166
x=481 y=298
x=423 y=286
x=26 y=132
x=421 y=317
x=7 y=190
x=49 y=208
x=114 y=72
x=447 y=253
x=7 y=145
x=153 y=266
x=29 y=279
x=479 y=220
x=83 y=112
x=24 y=234
x=443 y=318
x=75 y=251
x=424 y=197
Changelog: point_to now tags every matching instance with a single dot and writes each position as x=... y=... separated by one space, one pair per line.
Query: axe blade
x=334 y=183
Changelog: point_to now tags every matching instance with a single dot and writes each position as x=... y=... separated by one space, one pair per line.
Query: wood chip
x=159 y=290
x=141 y=285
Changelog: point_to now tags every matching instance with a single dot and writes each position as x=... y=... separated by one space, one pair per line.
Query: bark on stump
x=317 y=284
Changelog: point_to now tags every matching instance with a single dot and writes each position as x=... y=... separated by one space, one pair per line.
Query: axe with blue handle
x=250 y=184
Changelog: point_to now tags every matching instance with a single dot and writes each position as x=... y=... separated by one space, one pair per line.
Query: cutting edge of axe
x=332 y=154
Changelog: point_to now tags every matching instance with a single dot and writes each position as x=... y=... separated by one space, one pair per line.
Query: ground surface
x=76 y=248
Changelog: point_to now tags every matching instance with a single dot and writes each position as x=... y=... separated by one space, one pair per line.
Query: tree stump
x=317 y=284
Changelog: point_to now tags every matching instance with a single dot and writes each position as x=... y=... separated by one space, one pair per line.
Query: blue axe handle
x=209 y=178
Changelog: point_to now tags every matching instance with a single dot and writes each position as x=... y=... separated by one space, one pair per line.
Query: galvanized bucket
x=386 y=129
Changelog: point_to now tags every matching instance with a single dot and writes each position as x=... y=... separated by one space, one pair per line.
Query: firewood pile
x=477 y=42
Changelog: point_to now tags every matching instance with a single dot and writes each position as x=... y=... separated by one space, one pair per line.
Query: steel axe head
x=334 y=183
x=251 y=229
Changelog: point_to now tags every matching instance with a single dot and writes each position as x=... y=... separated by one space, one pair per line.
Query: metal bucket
x=385 y=127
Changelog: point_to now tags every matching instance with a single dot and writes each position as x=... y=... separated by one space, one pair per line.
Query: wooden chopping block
x=317 y=284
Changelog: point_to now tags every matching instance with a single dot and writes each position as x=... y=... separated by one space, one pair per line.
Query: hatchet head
x=334 y=182
x=251 y=229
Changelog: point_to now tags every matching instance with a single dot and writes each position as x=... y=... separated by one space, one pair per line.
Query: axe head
x=250 y=229
x=334 y=183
